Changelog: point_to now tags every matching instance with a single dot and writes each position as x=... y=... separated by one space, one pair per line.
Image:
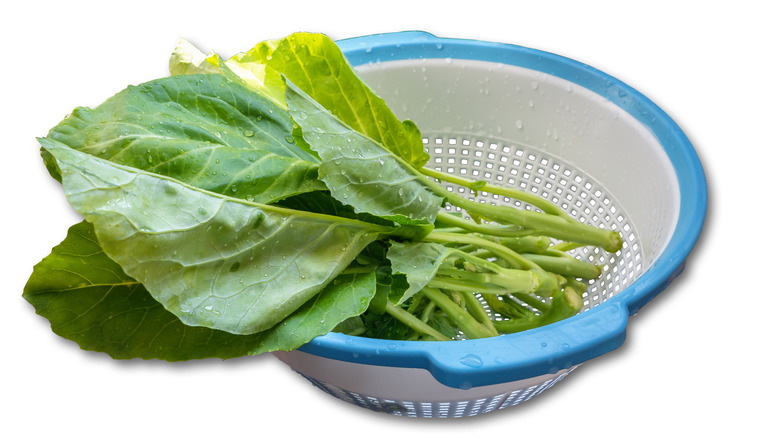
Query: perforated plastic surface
x=455 y=408
x=554 y=179
x=412 y=392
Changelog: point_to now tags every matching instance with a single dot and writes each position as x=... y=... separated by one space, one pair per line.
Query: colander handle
x=546 y=350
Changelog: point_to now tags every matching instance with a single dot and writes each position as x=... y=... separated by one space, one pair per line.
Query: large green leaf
x=357 y=170
x=315 y=64
x=204 y=130
x=212 y=260
x=88 y=299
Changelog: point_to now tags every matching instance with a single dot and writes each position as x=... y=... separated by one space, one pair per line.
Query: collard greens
x=250 y=204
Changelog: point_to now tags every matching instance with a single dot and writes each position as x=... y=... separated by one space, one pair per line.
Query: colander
x=558 y=128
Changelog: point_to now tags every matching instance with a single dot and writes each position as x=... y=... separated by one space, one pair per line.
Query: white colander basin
x=546 y=124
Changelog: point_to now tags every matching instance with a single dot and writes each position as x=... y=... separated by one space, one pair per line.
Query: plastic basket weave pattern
x=557 y=128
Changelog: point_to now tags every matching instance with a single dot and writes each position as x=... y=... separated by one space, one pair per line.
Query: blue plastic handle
x=558 y=346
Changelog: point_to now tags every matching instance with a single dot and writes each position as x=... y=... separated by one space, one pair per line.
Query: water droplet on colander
x=519 y=124
x=471 y=360
x=465 y=385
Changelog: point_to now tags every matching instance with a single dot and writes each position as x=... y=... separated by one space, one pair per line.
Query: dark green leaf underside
x=88 y=299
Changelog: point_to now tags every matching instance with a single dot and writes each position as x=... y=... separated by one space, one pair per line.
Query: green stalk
x=500 y=281
x=550 y=282
x=564 y=264
x=566 y=246
x=577 y=285
x=514 y=259
x=526 y=244
x=475 y=308
x=506 y=308
x=464 y=286
x=450 y=220
x=565 y=304
x=555 y=225
x=539 y=202
x=458 y=315
x=427 y=310
x=414 y=323
x=532 y=301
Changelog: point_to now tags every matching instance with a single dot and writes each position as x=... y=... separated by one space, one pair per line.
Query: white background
x=700 y=358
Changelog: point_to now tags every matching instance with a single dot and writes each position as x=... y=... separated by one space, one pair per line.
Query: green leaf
x=419 y=261
x=360 y=172
x=211 y=260
x=204 y=130
x=187 y=59
x=88 y=299
x=316 y=64
x=348 y=295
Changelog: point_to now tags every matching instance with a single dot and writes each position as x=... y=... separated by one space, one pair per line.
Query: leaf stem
x=493 y=230
x=475 y=308
x=462 y=318
x=556 y=225
x=506 y=307
x=511 y=257
x=564 y=264
x=565 y=304
x=414 y=323
x=500 y=282
x=537 y=201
